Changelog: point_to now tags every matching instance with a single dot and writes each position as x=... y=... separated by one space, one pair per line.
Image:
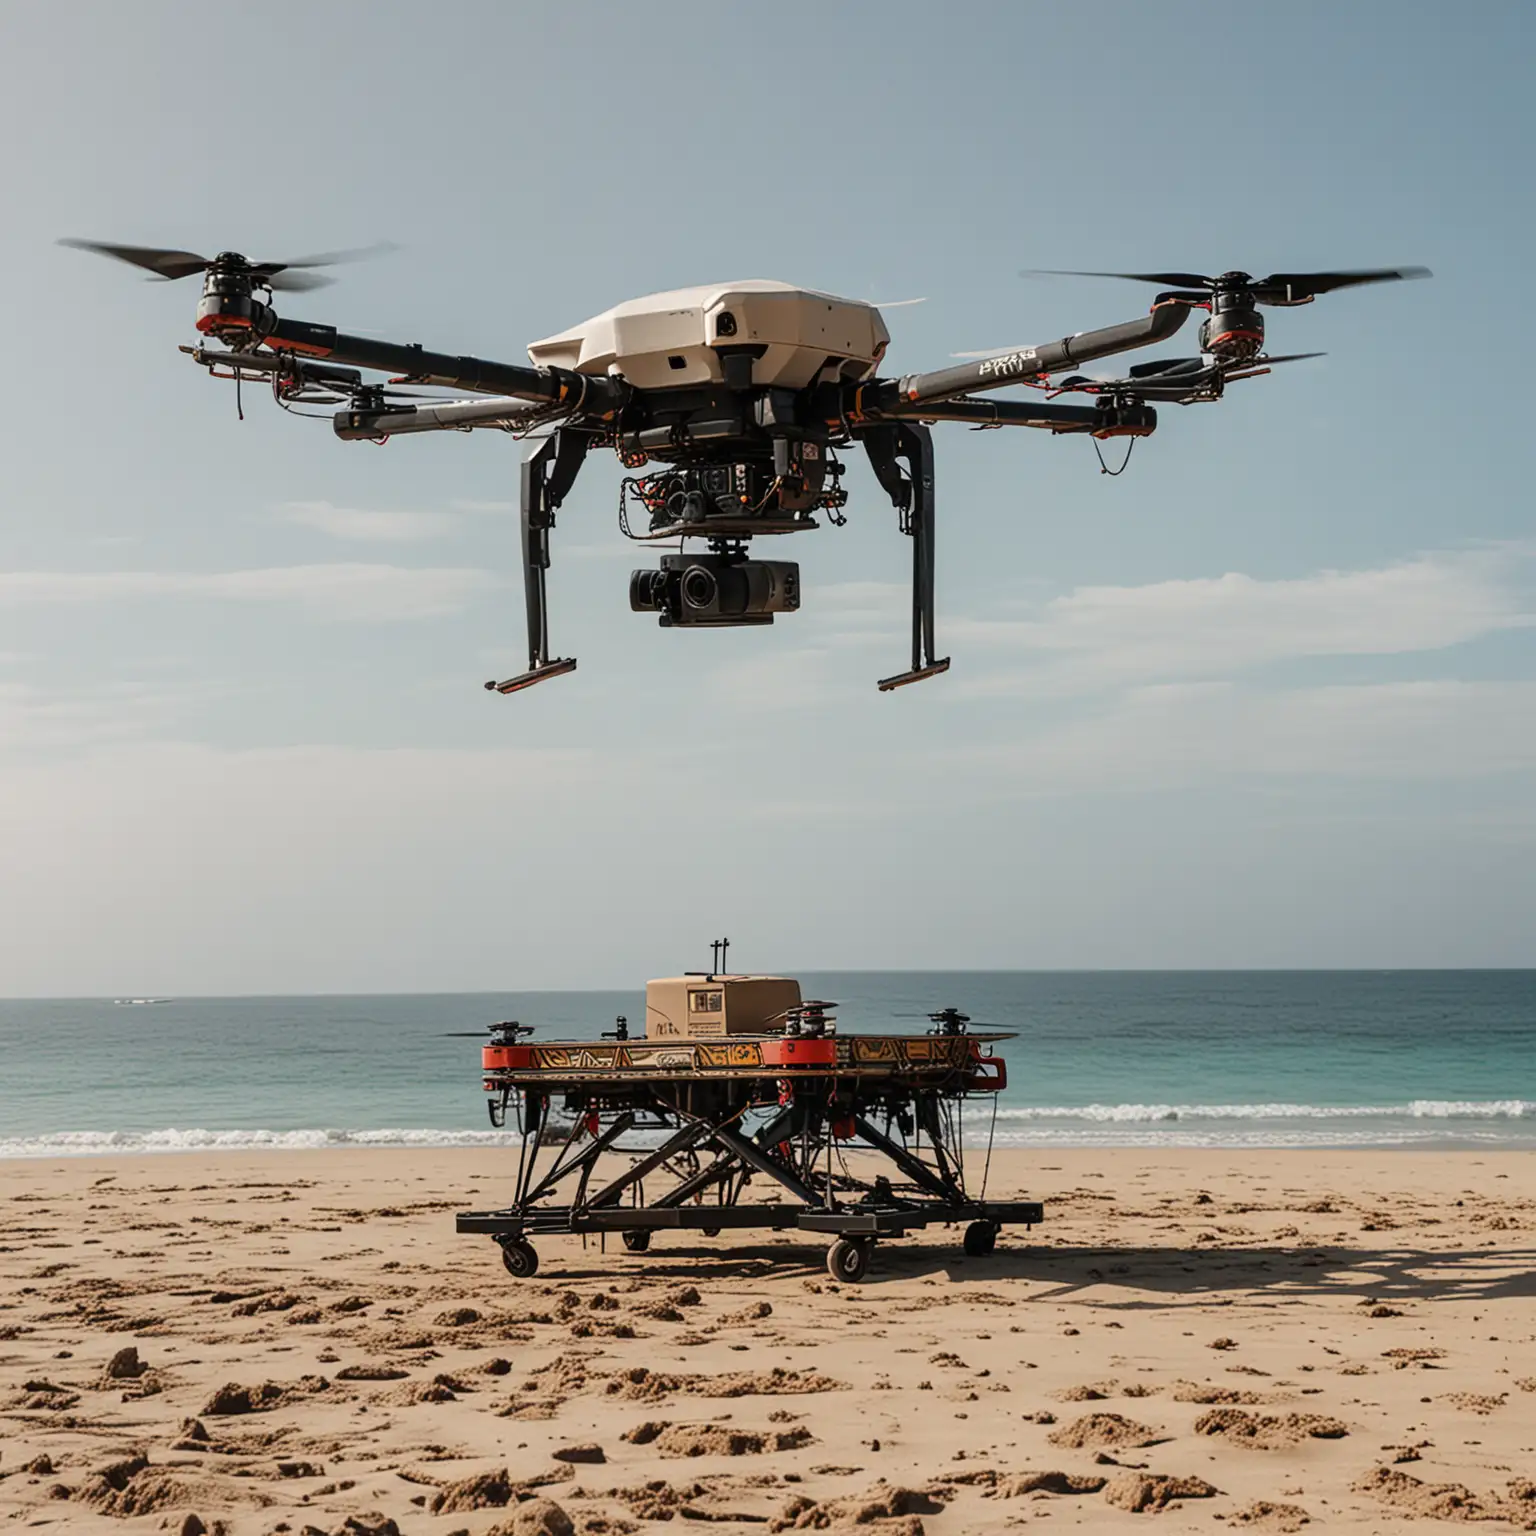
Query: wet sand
x=289 y=1342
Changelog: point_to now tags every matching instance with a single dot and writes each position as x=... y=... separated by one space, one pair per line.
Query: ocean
x=1210 y=1059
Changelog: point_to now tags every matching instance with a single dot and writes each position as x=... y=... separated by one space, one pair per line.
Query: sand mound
x=1473 y=1402
x=1264 y=1516
x=1098 y=1430
x=1195 y=1392
x=881 y=1508
x=371 y=1524
x=727 y=1440
x=371 y=1370
x=457 y=1317
x=45 y=1395
x=1088 y=1393
x=588 y=1452
x=659 y=1499
x=1268 y=1433
x=484 y=1490
x=1450 y=1501
x=441 y=1389
x=643 y=1434
x=1021 y=1483
x=130 y=1487
x=1402 y=1358
x=233 y=1398
x=752 y=1314
x=640 y=1384
x=1142 y=1491
x=125 y=1365
x=538 y=1517
x=273 y=1301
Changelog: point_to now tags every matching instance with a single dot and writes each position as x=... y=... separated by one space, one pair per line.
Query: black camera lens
x=647 y=591
x=699 y=587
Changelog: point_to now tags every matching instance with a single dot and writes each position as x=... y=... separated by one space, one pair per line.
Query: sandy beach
x=299 y=1342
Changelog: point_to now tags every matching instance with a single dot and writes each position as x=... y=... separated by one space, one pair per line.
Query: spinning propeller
x=169 y=265
x=1278 y=288
x=1234 y=331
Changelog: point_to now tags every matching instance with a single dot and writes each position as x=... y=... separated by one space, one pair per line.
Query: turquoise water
x=1184 y=1058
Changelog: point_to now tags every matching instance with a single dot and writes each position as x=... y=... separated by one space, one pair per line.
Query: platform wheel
x=710 y=1231
x=848 y=1259
x=519 y=1257
x=637 y=1239
x=980 y=1239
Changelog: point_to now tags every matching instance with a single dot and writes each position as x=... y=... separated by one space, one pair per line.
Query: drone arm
x=1025 y=413
x=505 y=411
x=594 y=396
x=884 y=396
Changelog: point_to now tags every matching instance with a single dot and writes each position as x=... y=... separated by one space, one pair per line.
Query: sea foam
x=1417 y=1123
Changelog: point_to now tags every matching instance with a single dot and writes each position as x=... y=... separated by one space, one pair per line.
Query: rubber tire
x=980 y=1239
x=848 y=1260
x=710 y=1231
x=520 y=1259
x=637 y=1239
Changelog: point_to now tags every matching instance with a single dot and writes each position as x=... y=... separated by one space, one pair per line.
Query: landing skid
x=902 y=679
x=537 y=674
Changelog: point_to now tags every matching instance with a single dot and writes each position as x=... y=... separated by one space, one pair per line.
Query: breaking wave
x=1418 y=1109
x=107 y=1143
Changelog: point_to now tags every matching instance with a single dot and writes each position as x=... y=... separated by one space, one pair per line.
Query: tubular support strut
x=912 y=493
x=547 y=476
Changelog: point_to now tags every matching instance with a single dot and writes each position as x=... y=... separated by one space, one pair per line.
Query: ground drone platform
x=738 y=1082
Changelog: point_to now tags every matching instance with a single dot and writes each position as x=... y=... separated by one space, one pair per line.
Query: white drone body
x=798 y=336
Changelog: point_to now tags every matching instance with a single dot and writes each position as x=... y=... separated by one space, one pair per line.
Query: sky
x=1266 y=700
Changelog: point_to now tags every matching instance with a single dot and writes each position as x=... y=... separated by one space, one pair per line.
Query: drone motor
x=1235 y=330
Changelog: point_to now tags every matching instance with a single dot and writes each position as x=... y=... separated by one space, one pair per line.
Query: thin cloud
x=1185 y=735
x=1098 y=638
x=349 y=592
x=365 y=526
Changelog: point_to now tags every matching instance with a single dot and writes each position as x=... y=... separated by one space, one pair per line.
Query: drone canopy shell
x=667 y=339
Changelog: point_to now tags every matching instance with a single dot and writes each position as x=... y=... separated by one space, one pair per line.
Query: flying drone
x=726 y=405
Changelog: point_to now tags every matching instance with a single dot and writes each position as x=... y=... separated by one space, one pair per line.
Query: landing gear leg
x=912 y=494
x=548 y=474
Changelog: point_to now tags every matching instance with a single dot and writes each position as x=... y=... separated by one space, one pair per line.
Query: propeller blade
x=464 y=1034
x=896 y=303
x=1169 y=367
x=1167 y=279
x=333 y=258
x=1298 y=284
x=290 y=275
x=1284 y=357
x=163 y=263
x=296 y=282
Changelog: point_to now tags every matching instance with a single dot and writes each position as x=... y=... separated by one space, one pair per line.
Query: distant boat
x=139 y=1002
